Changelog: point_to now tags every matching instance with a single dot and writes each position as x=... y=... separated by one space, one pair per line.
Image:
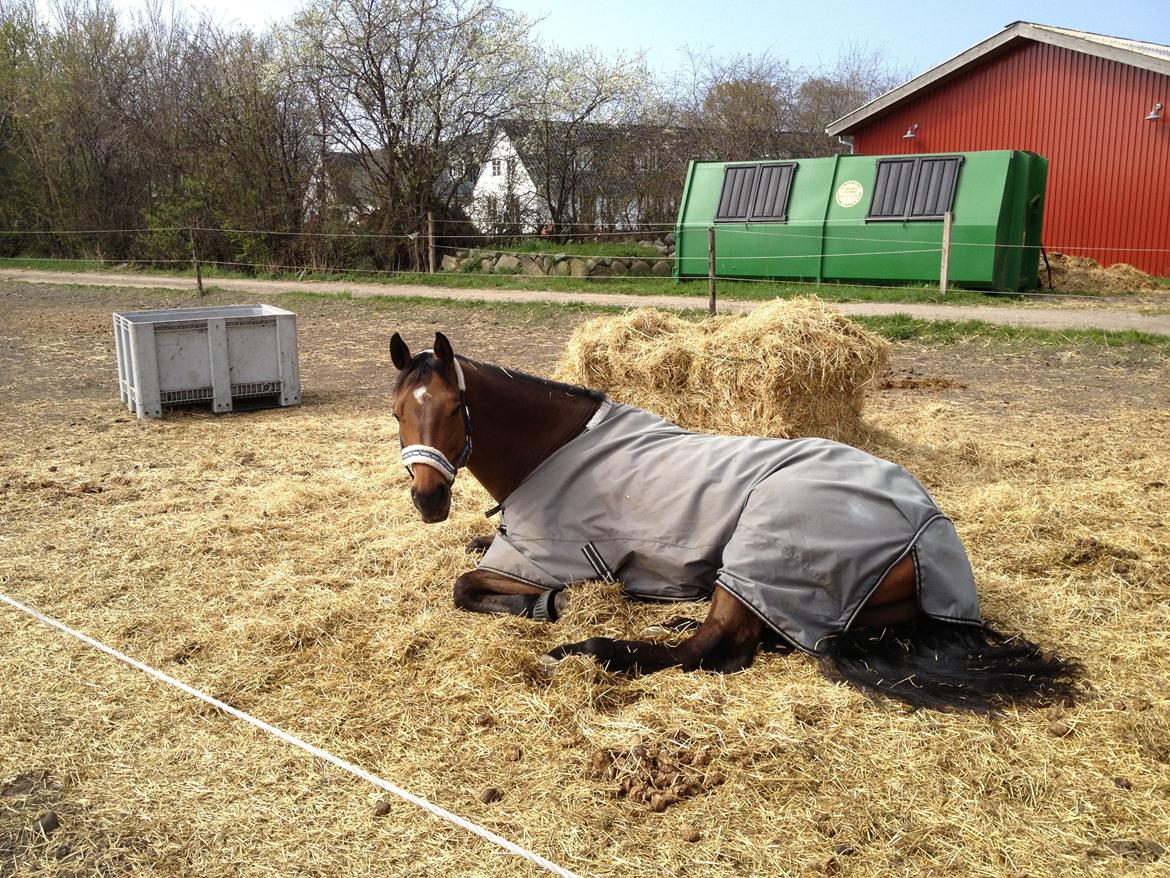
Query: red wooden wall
x=1109 y=169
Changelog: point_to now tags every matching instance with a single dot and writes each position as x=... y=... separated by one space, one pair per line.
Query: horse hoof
x=657 y=631
x=548 y=664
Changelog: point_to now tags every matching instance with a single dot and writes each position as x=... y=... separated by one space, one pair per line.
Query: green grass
x=725 y=289
x=902 y=327
x=636 y=286
x=734 y=290
x=49 y=264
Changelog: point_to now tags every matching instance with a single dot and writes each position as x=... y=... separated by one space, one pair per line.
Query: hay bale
x=790 y=368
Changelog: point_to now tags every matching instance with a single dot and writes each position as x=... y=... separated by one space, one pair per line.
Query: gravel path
x=1044 y=316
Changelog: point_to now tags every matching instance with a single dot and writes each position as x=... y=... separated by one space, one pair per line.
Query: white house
x=505 y=193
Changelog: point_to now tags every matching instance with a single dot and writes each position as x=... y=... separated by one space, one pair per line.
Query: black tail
x=949 y=666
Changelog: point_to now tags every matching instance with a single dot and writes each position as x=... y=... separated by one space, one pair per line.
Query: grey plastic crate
x=213 y=355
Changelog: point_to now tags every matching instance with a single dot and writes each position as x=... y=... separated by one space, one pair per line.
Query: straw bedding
x=274 y=560
x=1085 y=275
x=790 y=368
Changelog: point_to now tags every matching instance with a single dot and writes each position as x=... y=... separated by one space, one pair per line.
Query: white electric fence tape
x=325 y=755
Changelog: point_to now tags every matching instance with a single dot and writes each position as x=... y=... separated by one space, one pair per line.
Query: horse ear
x=443 y=349
x=399 y=352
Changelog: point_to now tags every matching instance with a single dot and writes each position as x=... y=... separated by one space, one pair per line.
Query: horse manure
x=1140 y=704
x=27 y=783
x=47 y=823
x=1143 y=849
x=567 y=741
x=844 y=850
x=656 y=776
x=1059 y=729
x=513 y=754
x=690 y=832
x=381 y=808
x=600 y=763
x=826 y=865
x=491 y=794
x=485 y=720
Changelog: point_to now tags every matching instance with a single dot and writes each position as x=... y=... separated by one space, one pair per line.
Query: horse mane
x=543 y=383
x=421 y=367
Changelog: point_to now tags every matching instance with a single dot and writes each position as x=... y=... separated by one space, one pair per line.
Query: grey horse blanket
x=801 y=531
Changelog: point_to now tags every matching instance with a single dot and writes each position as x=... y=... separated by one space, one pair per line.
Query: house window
x=495 y=167
x=914 y=188
x=755 y=193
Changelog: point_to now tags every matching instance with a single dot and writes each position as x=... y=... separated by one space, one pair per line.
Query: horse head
x=434 y=426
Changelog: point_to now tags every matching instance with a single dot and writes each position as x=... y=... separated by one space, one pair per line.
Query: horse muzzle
x=434 y=504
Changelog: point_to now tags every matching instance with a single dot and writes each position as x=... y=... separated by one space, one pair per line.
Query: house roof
x=1136 y=53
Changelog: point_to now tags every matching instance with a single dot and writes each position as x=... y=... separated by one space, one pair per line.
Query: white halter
x=433 y=457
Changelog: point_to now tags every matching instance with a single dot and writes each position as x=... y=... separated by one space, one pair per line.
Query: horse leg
x=895 y=600
x=479 y=544
x=677 y=625
x=725 y=642
x=485 y=591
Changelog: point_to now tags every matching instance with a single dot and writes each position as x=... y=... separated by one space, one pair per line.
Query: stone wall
x=561 y=264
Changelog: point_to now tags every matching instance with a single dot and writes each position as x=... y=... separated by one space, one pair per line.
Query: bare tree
x=581 y=106
x=742 y=105
x=859 y=75
x=405 y=85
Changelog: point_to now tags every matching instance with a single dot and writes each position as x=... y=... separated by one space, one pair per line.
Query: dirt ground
x=261 y=556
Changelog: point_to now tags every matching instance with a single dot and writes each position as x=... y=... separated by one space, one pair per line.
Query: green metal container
x=867 y=219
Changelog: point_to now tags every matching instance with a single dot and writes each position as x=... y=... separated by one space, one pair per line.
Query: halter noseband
x=433 y=457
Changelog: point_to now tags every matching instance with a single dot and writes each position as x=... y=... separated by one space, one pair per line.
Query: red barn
x=1097 y=107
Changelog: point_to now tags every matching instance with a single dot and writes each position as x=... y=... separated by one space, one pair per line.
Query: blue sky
x=914 y=34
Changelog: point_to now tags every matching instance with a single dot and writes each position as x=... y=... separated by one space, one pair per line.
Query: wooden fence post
x=946 y=252
x=195 y=262
x=711 y=270
x=431 y=241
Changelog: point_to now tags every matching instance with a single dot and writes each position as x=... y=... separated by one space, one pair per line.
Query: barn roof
x=1136 y=53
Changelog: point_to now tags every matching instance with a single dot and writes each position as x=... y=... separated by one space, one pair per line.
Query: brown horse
x=889 y=646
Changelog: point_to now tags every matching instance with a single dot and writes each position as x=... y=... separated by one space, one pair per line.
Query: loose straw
x=356 y=771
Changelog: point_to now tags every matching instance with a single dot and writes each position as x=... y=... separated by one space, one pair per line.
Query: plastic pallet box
x=215 y=355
